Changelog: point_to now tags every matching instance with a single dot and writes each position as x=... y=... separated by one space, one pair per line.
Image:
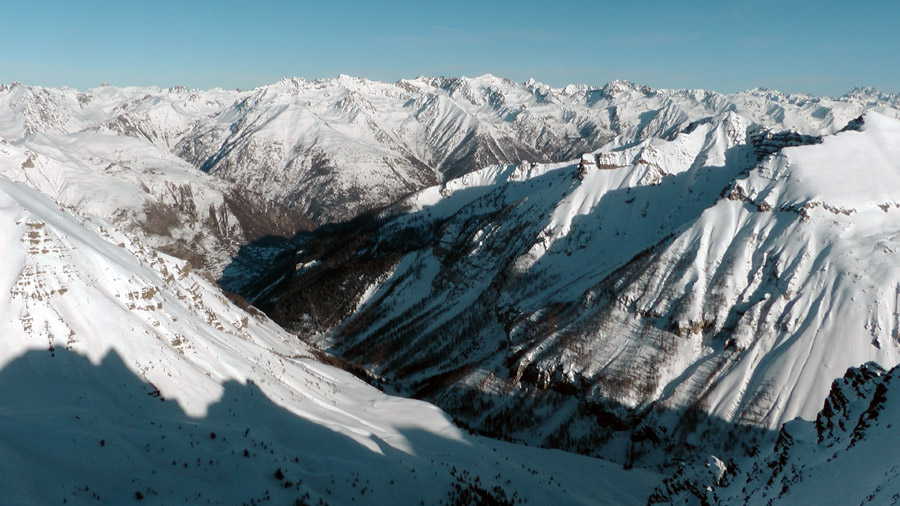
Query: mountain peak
x=620 y=87
x=870 y=93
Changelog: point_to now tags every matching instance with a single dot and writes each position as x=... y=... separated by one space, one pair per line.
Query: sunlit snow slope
x=107 y=153
x=729 y=270
x=126 y=377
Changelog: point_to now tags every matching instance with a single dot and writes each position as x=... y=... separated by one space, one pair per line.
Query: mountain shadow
x=428 y=345
x=75 y=432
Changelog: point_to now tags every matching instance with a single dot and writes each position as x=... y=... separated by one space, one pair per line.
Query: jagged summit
x=870 y=93
x=618 y=88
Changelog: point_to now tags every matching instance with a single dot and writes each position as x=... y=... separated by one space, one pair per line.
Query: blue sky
x=823 y=47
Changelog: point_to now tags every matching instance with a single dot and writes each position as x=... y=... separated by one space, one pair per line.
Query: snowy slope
x=714 y=273
x=333 y=148
x=126 y=377
x=106 y=153
x=845 y=457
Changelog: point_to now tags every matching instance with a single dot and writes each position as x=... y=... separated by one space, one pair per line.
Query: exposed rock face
x=841 y=458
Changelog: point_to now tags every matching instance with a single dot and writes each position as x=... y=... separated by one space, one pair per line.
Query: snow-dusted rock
x=126 y=377
x=687 y=276
x=845 y=457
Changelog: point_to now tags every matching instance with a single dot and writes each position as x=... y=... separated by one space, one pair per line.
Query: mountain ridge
x=699 y=266
x=651 y=275
x=129 y=377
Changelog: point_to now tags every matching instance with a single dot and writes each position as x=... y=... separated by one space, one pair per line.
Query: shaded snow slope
x=710 y=273
x=845 y=457
x=124 y=376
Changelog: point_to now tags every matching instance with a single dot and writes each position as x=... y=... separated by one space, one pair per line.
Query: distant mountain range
x=296 y=154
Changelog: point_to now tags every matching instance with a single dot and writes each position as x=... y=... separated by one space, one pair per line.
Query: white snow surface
x=98 y=329
x=332 y=148
x=737 y=286
x=823 y=287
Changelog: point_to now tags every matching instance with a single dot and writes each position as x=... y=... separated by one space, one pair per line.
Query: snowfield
x=126 y=377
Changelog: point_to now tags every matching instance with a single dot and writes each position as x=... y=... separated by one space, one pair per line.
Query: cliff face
x=849 y=439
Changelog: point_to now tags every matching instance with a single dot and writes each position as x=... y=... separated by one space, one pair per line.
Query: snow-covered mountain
x=106 y=152
x=845 y=456
x=714 y=280
x=335 y=147
x=696 y=280
x=298 y=153
x=126 y=377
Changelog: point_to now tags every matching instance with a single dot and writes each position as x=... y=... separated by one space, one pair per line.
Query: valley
x=659 y=283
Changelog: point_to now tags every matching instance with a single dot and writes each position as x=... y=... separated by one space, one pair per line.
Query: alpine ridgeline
x=128 y=377
x=296 y=154
x=660 y=297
